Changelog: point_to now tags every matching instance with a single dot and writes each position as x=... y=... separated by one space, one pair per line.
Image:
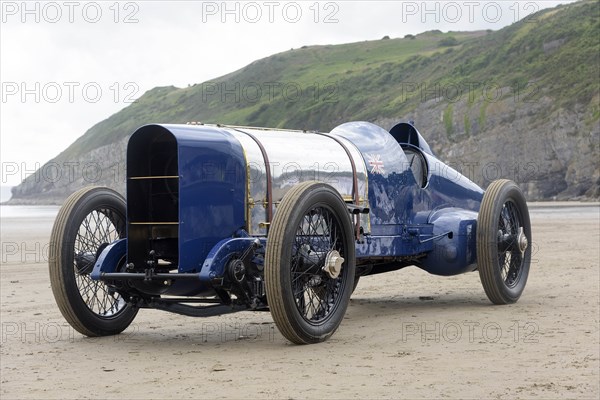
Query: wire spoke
x=510 y=258
x=101 y=226
x=316 y=294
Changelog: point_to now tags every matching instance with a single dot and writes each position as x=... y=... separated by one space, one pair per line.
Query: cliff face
x=56 y=180
x=551 y=158
x=522 y=103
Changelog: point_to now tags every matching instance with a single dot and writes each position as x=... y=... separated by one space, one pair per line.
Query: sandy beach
x=407 y=334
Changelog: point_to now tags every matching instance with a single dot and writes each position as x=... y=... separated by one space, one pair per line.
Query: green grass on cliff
x=554 y=53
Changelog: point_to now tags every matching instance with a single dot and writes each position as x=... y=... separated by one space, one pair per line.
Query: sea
x=5 y=193
x=18 y=220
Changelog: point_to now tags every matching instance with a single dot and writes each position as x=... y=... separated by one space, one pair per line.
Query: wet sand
x=406 y=334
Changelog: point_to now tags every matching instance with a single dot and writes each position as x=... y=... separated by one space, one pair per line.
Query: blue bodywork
x=187 y=202
x=407 y=219
x=110 y=258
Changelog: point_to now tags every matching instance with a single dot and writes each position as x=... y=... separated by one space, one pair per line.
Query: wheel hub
x=84 y=262
x=522 y=241
x=333 y=264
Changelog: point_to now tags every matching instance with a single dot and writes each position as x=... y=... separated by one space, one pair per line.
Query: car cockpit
x=413 y=145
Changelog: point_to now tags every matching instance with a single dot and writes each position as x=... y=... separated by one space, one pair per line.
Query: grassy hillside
x=332 y=81
x=372 y=79
x=532 y=70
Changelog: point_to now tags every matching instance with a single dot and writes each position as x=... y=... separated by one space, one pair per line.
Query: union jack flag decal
x=376 y=164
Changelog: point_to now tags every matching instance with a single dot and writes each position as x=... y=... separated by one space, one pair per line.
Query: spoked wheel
x=310 y=263
x=503 y=242
x=90 y=220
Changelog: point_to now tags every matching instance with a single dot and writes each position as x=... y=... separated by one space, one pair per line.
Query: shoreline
x=533 y=204
x=32 y=202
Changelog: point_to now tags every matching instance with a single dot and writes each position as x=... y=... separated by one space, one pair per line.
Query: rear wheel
x=90 y=220
x=310 y=263
x=503 y=242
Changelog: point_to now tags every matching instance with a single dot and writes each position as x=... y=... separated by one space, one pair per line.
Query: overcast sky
x=67 y=65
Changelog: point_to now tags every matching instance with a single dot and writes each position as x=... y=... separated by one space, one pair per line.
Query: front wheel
x=310 y=263
x=90 y=219
x=503 y=242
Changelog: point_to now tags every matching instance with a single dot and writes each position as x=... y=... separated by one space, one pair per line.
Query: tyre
x=310 y=263
x=503 y=242
x=89 y=220
x=356 y=279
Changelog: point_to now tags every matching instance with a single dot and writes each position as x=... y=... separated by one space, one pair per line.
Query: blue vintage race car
x=226 y=218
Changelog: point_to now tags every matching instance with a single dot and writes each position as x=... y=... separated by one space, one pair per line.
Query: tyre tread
x=489 y=273
x=272 y=257
x=58 y=279
x=286 y=324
